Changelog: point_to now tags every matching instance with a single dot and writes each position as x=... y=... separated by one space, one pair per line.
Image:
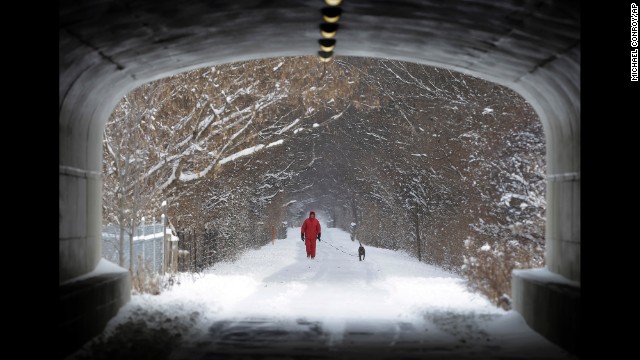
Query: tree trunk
x=133 y=226
x=354 y=210
x=195 y=251
x=121 y=249
x=121 y=221
x=418 y=233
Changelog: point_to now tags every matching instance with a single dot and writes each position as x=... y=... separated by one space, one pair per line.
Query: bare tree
x=419 y=158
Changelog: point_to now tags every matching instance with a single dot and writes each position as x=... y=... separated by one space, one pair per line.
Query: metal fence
x=197 y=251
x=148 y=246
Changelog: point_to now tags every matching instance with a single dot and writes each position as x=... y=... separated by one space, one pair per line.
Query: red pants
x=311 y=247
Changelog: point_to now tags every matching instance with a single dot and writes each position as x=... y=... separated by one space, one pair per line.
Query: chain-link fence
x=147 y=246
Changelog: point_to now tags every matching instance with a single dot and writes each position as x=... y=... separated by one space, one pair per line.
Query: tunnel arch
x=107 y=49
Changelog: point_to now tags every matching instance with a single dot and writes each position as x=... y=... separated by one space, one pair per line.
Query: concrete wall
x=108 y=48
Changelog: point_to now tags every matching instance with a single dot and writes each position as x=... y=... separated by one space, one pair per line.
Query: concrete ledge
x=86 y=305
x=550 y=304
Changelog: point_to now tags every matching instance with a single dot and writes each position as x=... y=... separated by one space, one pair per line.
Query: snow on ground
x=275 y=296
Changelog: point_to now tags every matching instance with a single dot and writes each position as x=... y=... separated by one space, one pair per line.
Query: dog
x=361 y=252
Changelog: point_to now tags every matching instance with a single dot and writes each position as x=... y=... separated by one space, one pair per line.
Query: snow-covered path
x=279 y=280
x=275 y=302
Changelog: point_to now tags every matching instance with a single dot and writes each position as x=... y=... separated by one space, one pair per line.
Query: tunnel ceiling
x=146 y=40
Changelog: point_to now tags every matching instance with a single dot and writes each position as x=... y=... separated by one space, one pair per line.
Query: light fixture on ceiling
x=328 y=29
x=327 y=44
x=331 y=14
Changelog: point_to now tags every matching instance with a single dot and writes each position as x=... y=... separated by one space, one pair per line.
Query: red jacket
x=311 y=227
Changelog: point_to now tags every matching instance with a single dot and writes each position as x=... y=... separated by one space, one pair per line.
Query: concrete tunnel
x=107 y=49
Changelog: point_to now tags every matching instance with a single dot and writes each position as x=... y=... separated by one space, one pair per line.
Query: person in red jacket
x=311 y=232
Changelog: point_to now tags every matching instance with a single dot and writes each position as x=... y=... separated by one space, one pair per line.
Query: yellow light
x=332 y=2
x=327 y=48
x=327 y=45
x=328 y=30
x=330 y=20
x=331 y=14
x=325 y=56
x=327 y=35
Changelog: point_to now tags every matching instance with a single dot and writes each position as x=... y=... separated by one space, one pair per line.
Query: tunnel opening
x=438 y=162
x=444 y=116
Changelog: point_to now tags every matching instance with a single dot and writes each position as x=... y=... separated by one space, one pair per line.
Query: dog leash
x=324 y=241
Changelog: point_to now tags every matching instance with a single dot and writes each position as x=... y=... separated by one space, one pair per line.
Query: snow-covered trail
x=275 y=302
x=336 y=285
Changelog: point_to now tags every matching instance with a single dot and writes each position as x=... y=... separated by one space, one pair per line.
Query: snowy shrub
x=488 y=267
x=144 y=280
